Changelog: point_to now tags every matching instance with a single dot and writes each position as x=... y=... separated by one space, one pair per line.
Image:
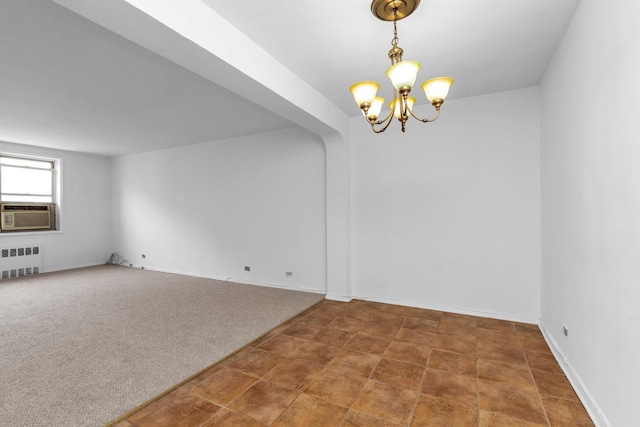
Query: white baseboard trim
x=452 y=309
x=596 y=414
x=232 y=279
x=73 y=267
x=340 y=298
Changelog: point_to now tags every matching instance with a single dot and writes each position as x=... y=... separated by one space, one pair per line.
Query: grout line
x=544 y=410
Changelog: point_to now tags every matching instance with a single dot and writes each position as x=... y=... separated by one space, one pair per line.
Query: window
x=27 y=179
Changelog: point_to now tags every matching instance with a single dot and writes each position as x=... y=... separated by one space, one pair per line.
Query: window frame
x=56 y=187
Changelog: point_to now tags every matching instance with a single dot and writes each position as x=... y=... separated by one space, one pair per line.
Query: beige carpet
x=82 y=347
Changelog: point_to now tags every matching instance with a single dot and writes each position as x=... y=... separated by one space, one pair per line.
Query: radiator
x=20 y=261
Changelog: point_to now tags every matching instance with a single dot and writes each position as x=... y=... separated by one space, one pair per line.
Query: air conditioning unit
x=27 y=216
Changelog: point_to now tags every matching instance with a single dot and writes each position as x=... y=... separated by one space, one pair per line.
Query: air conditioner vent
x=27 y=216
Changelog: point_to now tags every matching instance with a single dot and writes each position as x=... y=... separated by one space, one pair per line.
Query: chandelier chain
x=394 y=41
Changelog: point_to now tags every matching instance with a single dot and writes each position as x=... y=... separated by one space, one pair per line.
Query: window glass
x=26 y=180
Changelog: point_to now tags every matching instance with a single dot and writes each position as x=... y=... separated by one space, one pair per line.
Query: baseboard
x=73 y=267
x=452 y=309
x=233 y=279
x=339 y=298
x=585 y=397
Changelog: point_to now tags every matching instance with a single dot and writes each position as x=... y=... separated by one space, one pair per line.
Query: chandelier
x=401 y=73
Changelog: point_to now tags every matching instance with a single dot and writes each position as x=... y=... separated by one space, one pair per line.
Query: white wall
x=447 y=215
x=591 y=206
x=211 y=209
x=85 y=235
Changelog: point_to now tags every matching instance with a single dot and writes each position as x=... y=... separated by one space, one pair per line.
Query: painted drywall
x=591 y=207
x=84 y=237
x=447 y=215
x=211 y=209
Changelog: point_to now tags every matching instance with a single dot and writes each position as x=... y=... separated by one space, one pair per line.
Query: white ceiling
x=67 y=83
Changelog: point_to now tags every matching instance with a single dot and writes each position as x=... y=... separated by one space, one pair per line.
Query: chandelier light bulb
x=364 y=93
x=437 y=89
x=403 y=73
x=376 y=107
x=398 y=105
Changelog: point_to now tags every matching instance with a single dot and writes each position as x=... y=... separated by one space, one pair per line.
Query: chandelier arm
x=434 y=118
x=379 y=122
x=387 y=119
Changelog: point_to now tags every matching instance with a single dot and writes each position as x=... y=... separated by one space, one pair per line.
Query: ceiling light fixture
x=401 y=73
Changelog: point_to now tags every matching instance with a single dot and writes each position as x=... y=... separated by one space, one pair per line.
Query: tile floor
x=369 y=364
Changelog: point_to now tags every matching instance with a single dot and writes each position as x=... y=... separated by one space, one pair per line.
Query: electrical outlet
x=288 y=273
x=247 y=268
x=565 y=331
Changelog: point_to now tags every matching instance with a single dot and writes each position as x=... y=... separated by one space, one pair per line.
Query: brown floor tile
x=511 y=375
x=317 y=353
x=185 y=410
x=368 y=344
x=459 y=318
x=408 y=352
x=446 y=385
x=360 y=419
x=496 y=336
x=435 y=412
x=388 y=318
x=310 y=411
x=456 y=343
x=495 y=325
x=301 y=330
x=455 y=328
x=421 y=324
x=556 y=385
x=396 y=366
x=380 y=329
x=534 y=344
x=336 y=387
x=363 y=313
x=386 y=401
x=223 y=386
x=566 y=413
x=158 y=404
x=413 y=312
x=346 y=324
x=293 y=373
x=355 y=363
x=226 y=418
x=491 y=351
x=398 y=373
x=336 y=337
x=257 y=362
x=281 y=344
x=510 y=401
x=496 y=419
x=264 y=401
x=227 y=361
x=194 y=381
x=531 y=338
x=415 y=336
x=316 y=319
x=543 y=362
x=272 y=333
x=335 y=308
x=530 y=329
x=454 y=363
